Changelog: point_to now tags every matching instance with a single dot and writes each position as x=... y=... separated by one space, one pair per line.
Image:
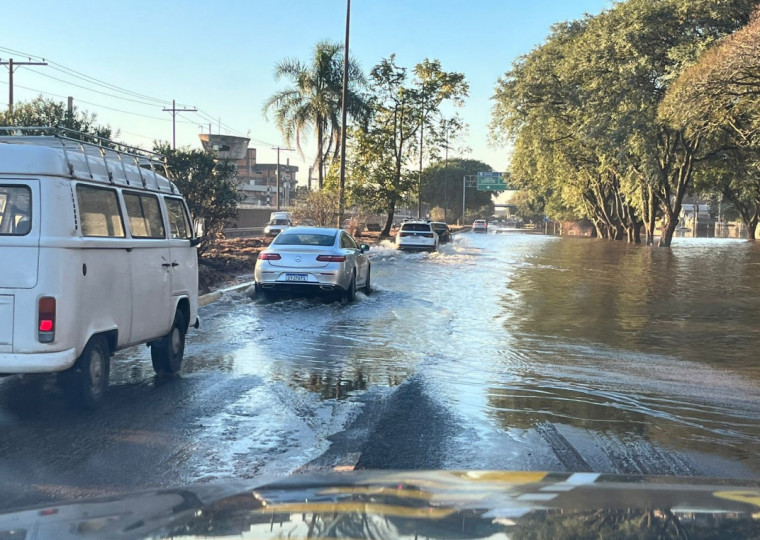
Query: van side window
x=144 y=213
x=178 y=220
x=15 y=210
x=99 y=212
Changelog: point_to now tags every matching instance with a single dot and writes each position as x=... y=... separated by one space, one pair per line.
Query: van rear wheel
x=86 y=382
x=167 y=352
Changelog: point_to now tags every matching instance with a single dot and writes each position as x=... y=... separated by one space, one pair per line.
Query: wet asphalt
x=481 y=356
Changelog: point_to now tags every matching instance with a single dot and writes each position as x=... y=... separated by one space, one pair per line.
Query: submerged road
x=515 y=352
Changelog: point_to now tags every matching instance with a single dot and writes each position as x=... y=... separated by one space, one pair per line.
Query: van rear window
x=99 y=212
x=15 y=210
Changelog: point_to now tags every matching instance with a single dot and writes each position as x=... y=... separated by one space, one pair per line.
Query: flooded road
x=518 y=352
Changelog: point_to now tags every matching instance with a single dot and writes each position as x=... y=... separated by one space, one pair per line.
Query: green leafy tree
x=382 y=153
x=209 y=186
x=442 y=187
x=313 y=102
x=528 y=207
x=582 y=113
x=718 y=100
x=41 y=112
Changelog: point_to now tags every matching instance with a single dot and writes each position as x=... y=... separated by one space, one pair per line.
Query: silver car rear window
x=301 y=239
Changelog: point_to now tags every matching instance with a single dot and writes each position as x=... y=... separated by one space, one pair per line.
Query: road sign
x=491 y=181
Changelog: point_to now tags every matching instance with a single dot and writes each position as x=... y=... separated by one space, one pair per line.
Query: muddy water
x=546 y=353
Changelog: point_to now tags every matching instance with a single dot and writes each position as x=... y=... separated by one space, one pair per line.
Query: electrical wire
x=79 y=75
x=134 y=97
x=44 y=93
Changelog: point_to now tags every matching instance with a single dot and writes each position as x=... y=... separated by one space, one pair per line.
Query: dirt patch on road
x=229 y=262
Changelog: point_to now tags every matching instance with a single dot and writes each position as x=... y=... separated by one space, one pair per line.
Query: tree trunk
x=752 y=229
x=391 y=211
x=668 y=228
x=320 y=137
x=651 y=219
x=598 y=228
x=637 y=232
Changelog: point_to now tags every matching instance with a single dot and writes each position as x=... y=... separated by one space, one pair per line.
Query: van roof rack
x=91 y=157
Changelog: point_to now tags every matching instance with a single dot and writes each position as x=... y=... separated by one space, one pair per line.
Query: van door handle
x=166 y=265
x=174 y=264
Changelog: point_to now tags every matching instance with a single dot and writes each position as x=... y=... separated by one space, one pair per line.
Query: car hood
x=388 y=504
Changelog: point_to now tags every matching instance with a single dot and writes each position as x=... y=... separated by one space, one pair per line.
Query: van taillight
x=46 y=320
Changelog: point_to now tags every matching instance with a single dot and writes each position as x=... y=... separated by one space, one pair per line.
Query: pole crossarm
x=12 y=66
x=174 y=110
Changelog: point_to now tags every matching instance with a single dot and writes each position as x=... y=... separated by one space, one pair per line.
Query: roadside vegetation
x=614 y=119
x=618 y=116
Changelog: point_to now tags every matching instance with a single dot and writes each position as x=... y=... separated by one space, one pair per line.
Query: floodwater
x=531 y=352
x=512 y=352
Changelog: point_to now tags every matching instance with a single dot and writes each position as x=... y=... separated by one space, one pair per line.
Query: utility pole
x=277 y=194
x=174 y=110
x=445 y=176
x=419 y=181
x=11 y=68
x=70 y=113
x=342 y=189
x=467 y=181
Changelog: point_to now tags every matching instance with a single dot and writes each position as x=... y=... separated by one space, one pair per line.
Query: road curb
x=213 y=296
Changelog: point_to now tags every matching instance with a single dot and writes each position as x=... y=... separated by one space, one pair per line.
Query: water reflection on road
x=577 y=346
x=516 y=352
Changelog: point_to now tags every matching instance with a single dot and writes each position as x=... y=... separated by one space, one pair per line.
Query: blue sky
x=219 y=56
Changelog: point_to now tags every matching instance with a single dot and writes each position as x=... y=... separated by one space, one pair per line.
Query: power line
x=88 y=78
x=45 y=93
x=100 y=92
x=134 y=97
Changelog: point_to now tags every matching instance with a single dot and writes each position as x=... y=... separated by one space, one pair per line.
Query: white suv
x=480 y=226
x=416 y=235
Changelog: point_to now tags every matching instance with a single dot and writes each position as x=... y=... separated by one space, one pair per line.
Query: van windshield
x=279 y=222
x=15 y=210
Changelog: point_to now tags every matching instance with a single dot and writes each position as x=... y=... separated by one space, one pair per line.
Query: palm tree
x=313 y=101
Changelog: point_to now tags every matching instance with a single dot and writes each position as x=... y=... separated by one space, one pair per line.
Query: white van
x=97 y=253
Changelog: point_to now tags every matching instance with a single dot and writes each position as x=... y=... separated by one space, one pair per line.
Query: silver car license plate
x=296 y=277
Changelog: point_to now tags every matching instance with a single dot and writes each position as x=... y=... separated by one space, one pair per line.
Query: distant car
x=480 y=226
x=312 y=259
x=416 y=235
x=442 y=230
x=276 y=226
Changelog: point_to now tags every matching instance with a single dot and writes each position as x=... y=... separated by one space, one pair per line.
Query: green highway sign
x=491 y=181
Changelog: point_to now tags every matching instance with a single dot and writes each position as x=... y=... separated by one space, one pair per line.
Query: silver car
x=318 y=259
